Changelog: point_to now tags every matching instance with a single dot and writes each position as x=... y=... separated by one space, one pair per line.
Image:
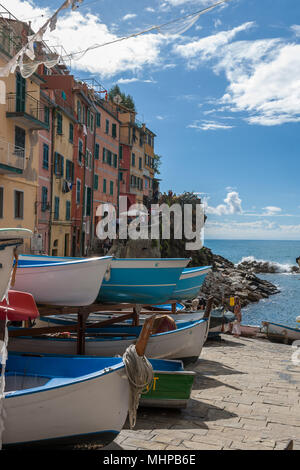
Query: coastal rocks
x=227 y=280
x=262 y=266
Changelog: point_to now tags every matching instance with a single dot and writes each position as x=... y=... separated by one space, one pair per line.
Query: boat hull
x=137 y=280
x=282 y=333
x=141 y=281
x=190 y=283
x=91 y=409
x=72 y=283
x=184 y=343
x=171 y=386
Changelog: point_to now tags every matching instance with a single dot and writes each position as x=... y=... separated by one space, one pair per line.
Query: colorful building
x=22 y=116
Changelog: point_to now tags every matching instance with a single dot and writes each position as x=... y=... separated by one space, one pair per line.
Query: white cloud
x=205 y=48
x=160 y=118
x=208 y=126
x=233 y=205
x=129 y=16
x=150 y=9
x=296 y=29
x=134 y=80
x=263 y=75
x=272 y=210
x=259 y=229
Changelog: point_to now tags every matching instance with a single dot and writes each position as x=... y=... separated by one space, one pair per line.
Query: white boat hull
x=92 y=409
x=283 y=332
x=183 y=343
x=74 y=283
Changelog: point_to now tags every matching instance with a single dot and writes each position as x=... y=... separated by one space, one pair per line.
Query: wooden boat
x=171 y=386
x=282 y=333
x=72 y=283
x=10 y=239
x=184 y=343
x=54 y=401
x=190 y=283
x=132 y=280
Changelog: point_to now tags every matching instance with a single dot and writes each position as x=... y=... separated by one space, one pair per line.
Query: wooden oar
x=142 y=341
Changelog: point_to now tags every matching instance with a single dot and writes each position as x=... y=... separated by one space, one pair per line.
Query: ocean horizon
x=283 y=307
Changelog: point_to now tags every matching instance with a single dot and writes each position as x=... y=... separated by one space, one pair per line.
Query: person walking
x=236 y=329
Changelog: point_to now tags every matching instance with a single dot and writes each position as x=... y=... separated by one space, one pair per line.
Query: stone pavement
x=246 y=395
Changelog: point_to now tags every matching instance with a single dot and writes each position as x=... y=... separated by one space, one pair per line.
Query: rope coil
x=140 y=375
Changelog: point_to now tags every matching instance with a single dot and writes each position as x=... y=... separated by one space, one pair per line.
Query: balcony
x=12 y=158
x=27 y=111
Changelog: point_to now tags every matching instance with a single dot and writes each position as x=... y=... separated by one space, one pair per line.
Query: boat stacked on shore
x=46 y=379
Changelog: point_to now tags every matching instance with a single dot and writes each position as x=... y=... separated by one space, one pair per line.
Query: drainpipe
x=52 y=178
x=92 y=196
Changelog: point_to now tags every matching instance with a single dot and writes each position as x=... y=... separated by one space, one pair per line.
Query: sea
x=283 y=307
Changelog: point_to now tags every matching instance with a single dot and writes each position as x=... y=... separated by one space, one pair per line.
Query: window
x=56 y=208
x=88 y=201
x=115 y=160
x=140 y=163
x=80 y=149
x=109 y=157
x=92 y=123
x=96 y=181
x=69 y=170
x=104 y=155
x=58 y=165
x=71 y=132
x=141 y=140
x=88 y=118
x=45 y=156
x=106 y=126
x=59 y=124
x=133 y=159
x=79 y=111
x=19 y=204
x=78 y=191
x=114 y=130
x=46 y=115
x=111 y=188
x=120 y=176
x=1 y=202
x=44 y=198
x=68 y=210
x=20 y=136
x=104 y=185
x=97 y=151
x=98 y=119
x=120 y=152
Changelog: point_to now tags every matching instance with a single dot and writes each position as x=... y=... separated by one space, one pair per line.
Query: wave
x=268 y=266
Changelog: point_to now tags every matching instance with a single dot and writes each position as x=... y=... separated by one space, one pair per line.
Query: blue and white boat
x=69 y=282
x=190 y=282
x=279 y=332
x=57 y=400
x=184 y=343
x=131 y=280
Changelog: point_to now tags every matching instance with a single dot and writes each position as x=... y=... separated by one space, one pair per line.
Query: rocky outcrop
x=262 y=266
x=227 y=280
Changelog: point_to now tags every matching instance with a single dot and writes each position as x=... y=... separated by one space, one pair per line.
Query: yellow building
x=21 y=117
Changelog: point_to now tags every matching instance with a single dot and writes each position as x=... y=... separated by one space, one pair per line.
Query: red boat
x=20 y=306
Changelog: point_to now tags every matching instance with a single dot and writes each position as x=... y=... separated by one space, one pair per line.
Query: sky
x=222 y=97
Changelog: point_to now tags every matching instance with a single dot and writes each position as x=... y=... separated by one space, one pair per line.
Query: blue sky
x=223 y=98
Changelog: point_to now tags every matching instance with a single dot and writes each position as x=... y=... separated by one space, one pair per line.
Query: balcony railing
x=12 y=158
x=28 y=110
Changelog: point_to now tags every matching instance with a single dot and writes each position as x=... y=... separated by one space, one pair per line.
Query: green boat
x=171 y=386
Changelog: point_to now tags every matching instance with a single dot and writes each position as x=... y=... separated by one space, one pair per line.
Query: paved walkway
x=246 y=395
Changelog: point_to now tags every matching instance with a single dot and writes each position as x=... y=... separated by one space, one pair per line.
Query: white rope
x=140 y=375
